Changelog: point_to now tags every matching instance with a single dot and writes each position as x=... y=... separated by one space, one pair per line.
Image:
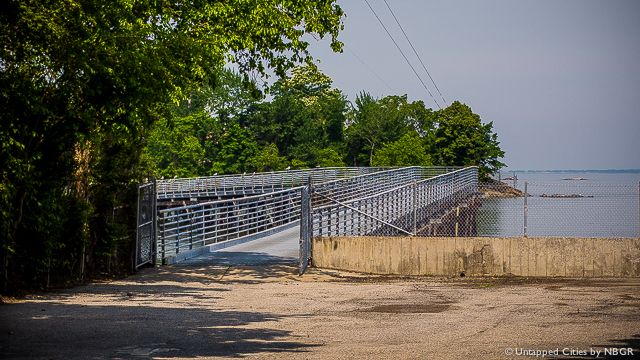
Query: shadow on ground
x=71 y=331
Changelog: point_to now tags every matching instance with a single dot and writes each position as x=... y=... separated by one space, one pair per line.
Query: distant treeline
x=229 y=128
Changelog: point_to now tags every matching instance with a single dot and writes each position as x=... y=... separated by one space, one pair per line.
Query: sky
x=560 y=80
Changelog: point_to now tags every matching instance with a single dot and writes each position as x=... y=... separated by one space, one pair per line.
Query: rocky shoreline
x=498 y=189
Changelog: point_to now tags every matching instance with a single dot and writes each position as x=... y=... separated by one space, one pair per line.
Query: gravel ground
x=204 y=311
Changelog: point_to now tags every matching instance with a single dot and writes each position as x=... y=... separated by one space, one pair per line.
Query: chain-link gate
x=305 y=229
x=146 y=225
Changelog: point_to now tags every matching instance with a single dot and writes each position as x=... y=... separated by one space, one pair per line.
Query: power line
x=414 y=51
x=368 y=67
x=403 y=55
x=353 y=53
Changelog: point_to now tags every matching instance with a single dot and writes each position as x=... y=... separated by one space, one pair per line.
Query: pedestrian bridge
x=186 y=218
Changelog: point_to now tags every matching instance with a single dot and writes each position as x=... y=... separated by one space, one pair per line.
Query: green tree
x=306 y=116
x=175 y=149
x=236 y=150
x=375 y=122
x=409 y=150
x=81 y=82
x=268 y=159
x=462 y=139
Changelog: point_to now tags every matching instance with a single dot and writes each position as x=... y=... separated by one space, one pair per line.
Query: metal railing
x=252 y=184
x=362 y=186
x=189 y=227
x=406 y=207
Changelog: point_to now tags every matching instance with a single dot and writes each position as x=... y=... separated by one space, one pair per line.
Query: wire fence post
x=415 y=208
x=526 y=195
x=639 y=209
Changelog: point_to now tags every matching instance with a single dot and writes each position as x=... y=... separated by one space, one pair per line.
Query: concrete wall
x=477 y=256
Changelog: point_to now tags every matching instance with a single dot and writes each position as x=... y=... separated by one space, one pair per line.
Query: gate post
x=146 y=225
x=306 y=230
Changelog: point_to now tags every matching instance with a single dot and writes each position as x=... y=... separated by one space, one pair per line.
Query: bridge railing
x=365 y=185
x=252 y=184
x=188 y=227
x=401 y=208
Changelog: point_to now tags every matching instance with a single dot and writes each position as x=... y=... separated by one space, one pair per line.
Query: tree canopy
x=81 y=84
x=97 y=96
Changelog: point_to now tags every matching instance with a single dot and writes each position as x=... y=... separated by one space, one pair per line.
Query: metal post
x=639 y=209
x=154 y=226
x=415 y=208
x=526 y=195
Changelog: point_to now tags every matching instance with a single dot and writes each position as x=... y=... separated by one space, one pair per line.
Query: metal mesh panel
x=145 y=232
x=401 y=203
x=570 y=208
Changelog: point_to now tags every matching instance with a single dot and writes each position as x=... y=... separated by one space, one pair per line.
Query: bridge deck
x=278 y=248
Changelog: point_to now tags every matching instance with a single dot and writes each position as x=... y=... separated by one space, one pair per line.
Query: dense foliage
x=96 y=96
x=308 y=123
x=81 y=84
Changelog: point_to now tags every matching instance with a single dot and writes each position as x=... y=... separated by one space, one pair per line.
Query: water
x=608 y=206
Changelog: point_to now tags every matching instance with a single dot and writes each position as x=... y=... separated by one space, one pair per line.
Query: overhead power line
x=368 y=67
x=353 y=53
x=414 y=51
x=403 y=55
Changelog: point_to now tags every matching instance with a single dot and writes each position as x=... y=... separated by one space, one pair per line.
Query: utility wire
x=414 y=50
x=403 y=55
x=362 y=62
x=368 y=67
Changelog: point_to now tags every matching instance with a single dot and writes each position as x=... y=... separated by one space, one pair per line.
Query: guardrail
x=193 y=226
x=362 y=186
x=189 y=227
x=252 y=184
x=391 y=209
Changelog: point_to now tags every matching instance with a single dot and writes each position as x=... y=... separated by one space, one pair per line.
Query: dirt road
x=269 y=312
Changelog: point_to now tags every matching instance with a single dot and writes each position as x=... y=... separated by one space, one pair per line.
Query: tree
x=235 y=151
x=81 y=82
x=409 y=150
x=375 y=122
x=268 y=159
x=306 y=116
x=461 y=139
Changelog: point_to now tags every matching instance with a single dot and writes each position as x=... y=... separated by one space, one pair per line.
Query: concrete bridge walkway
x=275 y=249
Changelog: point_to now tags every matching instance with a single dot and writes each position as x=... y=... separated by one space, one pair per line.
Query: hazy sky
x=559 y=79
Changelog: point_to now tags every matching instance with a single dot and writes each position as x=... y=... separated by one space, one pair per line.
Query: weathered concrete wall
x=476 y=256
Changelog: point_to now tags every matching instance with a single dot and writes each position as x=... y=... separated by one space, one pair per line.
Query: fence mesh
x=454 y=205
x=571 y=208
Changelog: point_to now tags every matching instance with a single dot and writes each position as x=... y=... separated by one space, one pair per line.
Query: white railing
x=392 y=209
x=190 y=227
x=252 y=184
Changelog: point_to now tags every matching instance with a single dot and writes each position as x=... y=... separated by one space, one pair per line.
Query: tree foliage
x=462 y=139
x=409 y=150
x=82 y=82
x=375 y=122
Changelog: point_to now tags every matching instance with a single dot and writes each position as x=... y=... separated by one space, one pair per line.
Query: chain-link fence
x=568 y=208
x=455 y=205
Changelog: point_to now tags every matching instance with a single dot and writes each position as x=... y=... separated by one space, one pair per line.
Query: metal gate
x=146 y=225
x=306 y=222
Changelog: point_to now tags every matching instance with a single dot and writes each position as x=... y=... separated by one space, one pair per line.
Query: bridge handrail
x=397 y=206
x=253 y=183
x=361 y=186
x=190 y=226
